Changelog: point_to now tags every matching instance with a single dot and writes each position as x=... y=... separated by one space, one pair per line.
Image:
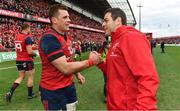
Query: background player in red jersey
x=24 y=61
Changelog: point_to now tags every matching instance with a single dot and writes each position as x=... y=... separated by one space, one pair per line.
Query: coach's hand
x=95 y=57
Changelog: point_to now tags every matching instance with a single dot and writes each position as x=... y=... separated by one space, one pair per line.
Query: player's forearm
x=73 y=67
x=32 y=53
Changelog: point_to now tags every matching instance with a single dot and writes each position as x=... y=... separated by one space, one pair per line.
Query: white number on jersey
x=18 y=47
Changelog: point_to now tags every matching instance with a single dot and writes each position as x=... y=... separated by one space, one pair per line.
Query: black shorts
x=25 y=65
x=57 y=99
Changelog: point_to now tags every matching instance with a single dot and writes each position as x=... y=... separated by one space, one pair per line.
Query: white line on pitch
x=4 y=68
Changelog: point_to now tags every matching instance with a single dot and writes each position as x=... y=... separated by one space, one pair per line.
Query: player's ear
x=54 y=20
x=118 y=21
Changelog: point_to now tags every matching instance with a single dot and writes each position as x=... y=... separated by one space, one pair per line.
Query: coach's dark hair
x=25 y=26
x=117 y=12
x=54 y=9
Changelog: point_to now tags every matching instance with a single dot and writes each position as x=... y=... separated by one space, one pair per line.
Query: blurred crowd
x=9 y=27
x=79 y=19
x=32 y=7
x=168 y=40
x=40 y=8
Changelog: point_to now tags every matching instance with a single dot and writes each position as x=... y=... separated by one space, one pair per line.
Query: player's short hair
x=115 y=13
x=53 y=11
x=25 y=26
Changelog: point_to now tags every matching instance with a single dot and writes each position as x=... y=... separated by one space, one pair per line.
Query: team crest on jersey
x=114 y=47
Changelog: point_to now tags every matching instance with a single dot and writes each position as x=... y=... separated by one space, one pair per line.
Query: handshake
x=94 y=58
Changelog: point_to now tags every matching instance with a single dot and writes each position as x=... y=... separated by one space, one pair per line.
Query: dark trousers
x=105 y=80
x=162 y=50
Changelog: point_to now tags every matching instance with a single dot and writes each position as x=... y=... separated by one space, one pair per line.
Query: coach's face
x=108 y=24
x=63 y=20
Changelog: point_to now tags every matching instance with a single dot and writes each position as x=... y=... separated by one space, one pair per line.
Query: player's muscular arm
x=73 y=67
x=30 y=51
x=28 y=42
x=69 y=67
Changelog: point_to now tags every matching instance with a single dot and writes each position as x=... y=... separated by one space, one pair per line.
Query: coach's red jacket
x=132 y=79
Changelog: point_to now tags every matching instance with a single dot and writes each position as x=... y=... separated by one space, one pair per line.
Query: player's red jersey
x=1 y=48
x=52 y=46
x=21 y=41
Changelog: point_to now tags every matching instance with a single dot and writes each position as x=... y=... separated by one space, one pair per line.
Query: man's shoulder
x=20 y=38
x=19 y=35
x=132 y=34
x=48 y=37
x=49 y=41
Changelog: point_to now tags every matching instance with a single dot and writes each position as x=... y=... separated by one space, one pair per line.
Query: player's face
x=108 y=24
x=63 y=20
x=29 y=30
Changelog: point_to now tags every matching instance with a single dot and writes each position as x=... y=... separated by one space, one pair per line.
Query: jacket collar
x=118 y=33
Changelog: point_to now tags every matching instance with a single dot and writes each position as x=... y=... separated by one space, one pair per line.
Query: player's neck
x=57 y=30
x=24 y=32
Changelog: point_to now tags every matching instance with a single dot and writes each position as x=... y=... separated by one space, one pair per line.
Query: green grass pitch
x=90 y=95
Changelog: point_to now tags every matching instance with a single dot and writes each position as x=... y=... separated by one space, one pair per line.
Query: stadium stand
x=32 y=7
x=10 y=26
x=40 y=9
x=168 y=40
